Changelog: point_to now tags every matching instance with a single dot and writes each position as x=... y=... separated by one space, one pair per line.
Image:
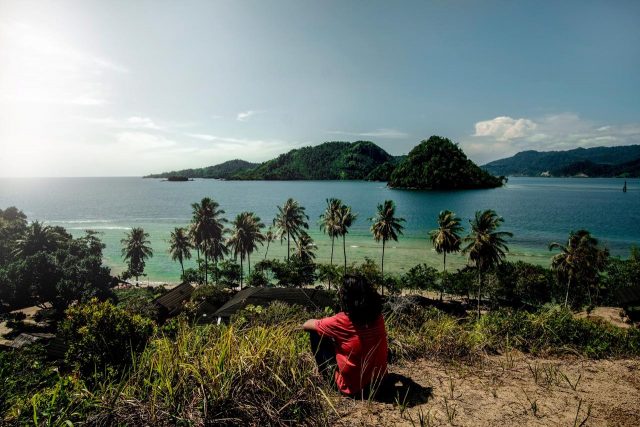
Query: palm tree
x=269 y=237
x=306 y=247
x=245 y=237
x=486 y=247
x=446 y=239
x=344 y=219
x=180 y=246
x=386 y=226
x=290 y=220
x=579 y=260
x=37 y=237
x=328 y=223
x=135 y=250
x=208 y=227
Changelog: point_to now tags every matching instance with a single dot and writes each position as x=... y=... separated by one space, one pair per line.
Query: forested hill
x=439 y=164
x=436 y=163
x=327 y=161
x=221 y=171
x=622 y=161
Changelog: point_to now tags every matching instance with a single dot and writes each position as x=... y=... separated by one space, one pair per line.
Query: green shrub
x=22 y=373
x=102 y=338
x=556 y=330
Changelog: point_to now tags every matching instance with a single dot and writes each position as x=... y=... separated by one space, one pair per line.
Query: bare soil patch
x=507 y=390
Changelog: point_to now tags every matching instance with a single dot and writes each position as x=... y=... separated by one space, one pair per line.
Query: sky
x=127 y=88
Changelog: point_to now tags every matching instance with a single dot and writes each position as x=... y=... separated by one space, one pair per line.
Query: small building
x=171 y=303
x=312 y=299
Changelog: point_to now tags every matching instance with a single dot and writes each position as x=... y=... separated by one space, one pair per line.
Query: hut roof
x=172 y=301
x=309 y=298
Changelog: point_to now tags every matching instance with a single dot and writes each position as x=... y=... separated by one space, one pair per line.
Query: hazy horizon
x=117 y=88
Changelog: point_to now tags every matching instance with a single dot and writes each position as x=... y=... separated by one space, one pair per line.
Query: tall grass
x=221 y=375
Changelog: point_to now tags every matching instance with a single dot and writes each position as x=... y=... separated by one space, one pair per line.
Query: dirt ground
x=506 y=390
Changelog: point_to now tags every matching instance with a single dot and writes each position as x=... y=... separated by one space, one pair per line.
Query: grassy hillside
x=221 y=171
x=598 y=161
x=331 y=160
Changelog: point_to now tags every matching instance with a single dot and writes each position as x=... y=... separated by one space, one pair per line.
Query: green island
x=81 y=346
x=434 y=164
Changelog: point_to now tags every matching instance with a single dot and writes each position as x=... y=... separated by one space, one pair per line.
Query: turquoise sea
x=536 y=210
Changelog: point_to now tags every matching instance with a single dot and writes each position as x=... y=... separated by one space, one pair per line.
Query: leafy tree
x=420 y=276
x=290 y=221
x=327 y=273
x=13 y=224
x=180 y=246
x=328 y=222
x=446 y=239
x=344 y=220
x=486 y=247
x=306 y=247
x=39 y=237
x=136 y=250
x=245 y=237
x=208 y=229
x=386 y=226
x=229 y=273
x=579 y=262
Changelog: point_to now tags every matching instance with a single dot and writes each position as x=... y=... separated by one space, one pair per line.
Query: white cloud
x=505 y=128
x=143 y=122
x=504 y=136
x=40 y=67
x=245 y=115
x=378 y=133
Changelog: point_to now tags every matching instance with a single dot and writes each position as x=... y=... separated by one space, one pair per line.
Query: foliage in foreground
x=259 y=371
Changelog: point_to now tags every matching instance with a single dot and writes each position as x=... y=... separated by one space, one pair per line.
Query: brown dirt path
x=508 y=390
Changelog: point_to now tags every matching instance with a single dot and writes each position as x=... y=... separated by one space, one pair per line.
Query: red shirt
x=361 y=352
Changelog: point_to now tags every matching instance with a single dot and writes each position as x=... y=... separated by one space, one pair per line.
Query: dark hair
x=359 y=300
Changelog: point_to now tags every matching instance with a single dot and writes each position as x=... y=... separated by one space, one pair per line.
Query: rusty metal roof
x=173 y=300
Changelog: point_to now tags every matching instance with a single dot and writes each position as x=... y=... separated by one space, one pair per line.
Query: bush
x=22 y=373
x=556 y=330
x=257 y=278
x=103 y=338
x=277 y=313
x=422 y=277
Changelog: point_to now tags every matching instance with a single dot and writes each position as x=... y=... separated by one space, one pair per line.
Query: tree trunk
x=267 y=251
x=249 y=262
x=479 y=290
x=288 y=245
x=205 y=263
x=181 y=265
x=241 y=272
x=331 y=261
x=566 y=297
x=382 y=266
x=344 y=250
x=444 y=275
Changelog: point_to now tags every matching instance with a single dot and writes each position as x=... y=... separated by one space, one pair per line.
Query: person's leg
x=324 y=354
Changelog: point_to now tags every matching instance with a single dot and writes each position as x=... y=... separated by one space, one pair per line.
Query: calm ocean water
x=536 y=210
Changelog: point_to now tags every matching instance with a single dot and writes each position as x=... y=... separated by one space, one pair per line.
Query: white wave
x=82 y=221
x=100 y=228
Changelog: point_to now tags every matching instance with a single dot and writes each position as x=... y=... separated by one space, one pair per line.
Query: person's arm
x=310 y=325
